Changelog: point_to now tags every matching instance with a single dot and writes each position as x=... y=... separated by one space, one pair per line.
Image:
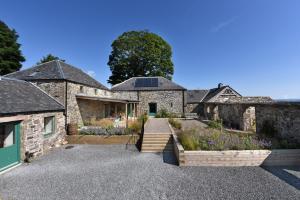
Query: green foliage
x=135 y=126
x=217 y=141
x=143 y=117
x=215 y=124
x=175 y=123
x=139 y=53
x=10 y=53
x=249 y=144
x=163 y=113
x=49 y=58
x=188 y=141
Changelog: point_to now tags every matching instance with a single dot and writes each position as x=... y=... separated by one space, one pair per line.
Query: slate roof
x=212 y=93
x=56 y=70
x=17 y=96
x=163 y=84
x=196 y=96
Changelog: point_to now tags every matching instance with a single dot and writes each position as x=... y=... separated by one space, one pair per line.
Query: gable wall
x=164 y=99
x=56 y=89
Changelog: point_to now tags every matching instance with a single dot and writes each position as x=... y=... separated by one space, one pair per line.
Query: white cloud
x=91 y=73
x=223 y=25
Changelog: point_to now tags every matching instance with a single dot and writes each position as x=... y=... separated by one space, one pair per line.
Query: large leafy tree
x=140 y=53
x=10 y=53
x=49 y=58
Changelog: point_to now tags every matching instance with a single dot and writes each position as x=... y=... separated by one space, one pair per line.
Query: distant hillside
x=287 y=100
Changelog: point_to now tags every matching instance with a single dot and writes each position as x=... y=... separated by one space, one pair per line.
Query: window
x=48 y=125
x=171 y=104
x=96 y=91
x=81 y=89
x=6 y=135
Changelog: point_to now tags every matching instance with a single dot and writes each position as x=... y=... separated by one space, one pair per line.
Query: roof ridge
x=122 y=82
x=30 y=68
x=12 y=79
x=60 y=69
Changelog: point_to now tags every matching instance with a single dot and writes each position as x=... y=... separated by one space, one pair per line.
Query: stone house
x=30 y=121
x=83 y=97
x=202 y=101
x=153 y=94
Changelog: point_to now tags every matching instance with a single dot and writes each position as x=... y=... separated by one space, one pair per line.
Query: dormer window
x=81 y=90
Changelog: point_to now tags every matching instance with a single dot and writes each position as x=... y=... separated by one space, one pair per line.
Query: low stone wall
x=99 y=139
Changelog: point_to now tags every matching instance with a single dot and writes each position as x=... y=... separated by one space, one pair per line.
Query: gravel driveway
x=111 y=172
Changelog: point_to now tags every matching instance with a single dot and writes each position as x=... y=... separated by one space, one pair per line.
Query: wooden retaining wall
x=100 y=139
x=233 y=158
x=288 y=157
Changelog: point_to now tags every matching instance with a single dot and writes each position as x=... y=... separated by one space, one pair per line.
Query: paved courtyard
x=111 y=172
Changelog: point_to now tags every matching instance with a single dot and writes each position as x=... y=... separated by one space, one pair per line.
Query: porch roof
x=106 y=99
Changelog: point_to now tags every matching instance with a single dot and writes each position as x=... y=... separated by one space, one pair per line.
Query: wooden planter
x=234 y=158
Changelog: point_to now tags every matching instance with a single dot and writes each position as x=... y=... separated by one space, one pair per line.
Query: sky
x=251 y=45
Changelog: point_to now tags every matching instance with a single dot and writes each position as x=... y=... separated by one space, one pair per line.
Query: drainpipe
x=183 y=99
x=66 y=106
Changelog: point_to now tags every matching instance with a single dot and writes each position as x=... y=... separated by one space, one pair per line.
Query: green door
x=9 y=144
x=152 y=109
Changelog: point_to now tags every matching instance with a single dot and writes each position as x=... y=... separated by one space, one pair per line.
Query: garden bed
x=215 y=155
x=102 y=139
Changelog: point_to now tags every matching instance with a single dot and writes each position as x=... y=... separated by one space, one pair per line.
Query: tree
x=139 y=53
x=49 y=58
x=10 y=53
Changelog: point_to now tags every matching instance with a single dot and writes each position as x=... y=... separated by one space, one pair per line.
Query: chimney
x=220 y=85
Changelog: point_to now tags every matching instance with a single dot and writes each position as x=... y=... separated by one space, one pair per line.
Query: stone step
x=156 y=135
x=156 y=142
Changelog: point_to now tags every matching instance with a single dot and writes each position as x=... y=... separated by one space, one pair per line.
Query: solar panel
x=146 y=82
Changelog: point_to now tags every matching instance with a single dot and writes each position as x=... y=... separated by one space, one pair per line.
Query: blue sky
x=252 y=45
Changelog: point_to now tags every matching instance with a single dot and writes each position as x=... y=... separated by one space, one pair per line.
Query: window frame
x=81 y=89
x=52 y=125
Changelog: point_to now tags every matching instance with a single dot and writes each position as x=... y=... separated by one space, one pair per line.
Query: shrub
x=215 y=124
x=104 y=123
x=94 y=130
x=135 y=126
x=249 y=144
x=175 y=123
x=163 y=113
x=188 y=141
x=143 y=117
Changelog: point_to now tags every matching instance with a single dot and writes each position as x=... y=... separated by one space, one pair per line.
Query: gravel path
x=157 y=125
x=111 y=172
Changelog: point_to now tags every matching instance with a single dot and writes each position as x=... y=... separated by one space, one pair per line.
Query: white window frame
x=52 y=120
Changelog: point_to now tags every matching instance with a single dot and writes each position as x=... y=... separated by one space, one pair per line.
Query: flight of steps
x=191 y=115
x=157 y=143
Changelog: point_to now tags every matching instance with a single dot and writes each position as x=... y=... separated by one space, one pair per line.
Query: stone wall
x=56 y=89
x=282 y=120
x=73 y=110
x=172 y=101
x=128 y=95
x=32 y=138
x=192 y=108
